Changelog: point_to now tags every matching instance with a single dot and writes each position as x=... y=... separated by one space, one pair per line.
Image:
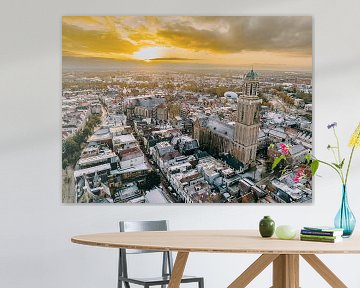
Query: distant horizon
x=88 y=64
x=281 y=43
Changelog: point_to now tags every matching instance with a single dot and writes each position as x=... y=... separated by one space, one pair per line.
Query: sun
x=148 y=53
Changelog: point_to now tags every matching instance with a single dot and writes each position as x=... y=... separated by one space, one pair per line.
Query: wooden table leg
x=324 y=271
x=279 y=269
x=178 y=269
x=253 y=270
x=293 y=264
x=286 y=271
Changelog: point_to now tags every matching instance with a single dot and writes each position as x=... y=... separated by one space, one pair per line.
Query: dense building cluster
x=187 y=137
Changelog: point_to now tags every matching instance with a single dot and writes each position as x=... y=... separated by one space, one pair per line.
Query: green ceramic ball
x=285 y=232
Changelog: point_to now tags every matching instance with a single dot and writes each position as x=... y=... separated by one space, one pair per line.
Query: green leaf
x=308 y=158
x=277 y=161
x=342 y=163
x=339 y=166
x=285 y=170
x=336 y=165
x=314 y=166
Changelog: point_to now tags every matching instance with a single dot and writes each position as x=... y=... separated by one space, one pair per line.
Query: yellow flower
x=355 y=138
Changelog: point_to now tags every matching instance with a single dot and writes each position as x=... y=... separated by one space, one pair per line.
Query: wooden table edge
x=203 y=250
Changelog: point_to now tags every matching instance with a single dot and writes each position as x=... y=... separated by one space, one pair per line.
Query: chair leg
x=164 y=266
x=126 y=284
x=120 y=272
x=201 y=283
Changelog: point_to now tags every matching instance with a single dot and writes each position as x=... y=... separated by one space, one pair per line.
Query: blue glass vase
x=345 y=219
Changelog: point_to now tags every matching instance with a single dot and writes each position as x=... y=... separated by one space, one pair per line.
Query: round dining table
x=283 y=254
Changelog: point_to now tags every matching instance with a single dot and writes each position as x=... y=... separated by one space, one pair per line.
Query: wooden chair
x=167 y=262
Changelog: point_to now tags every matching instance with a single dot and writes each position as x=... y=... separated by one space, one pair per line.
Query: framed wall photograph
x=180 y=109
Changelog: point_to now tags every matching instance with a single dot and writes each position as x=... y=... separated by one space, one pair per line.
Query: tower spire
x=248 y=120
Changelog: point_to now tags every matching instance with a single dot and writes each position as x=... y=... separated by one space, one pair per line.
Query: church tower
x=247 y=125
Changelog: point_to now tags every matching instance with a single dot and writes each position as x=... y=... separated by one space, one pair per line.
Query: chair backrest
x=138 y=226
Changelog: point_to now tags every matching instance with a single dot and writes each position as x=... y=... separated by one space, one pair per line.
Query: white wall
x=35 y=228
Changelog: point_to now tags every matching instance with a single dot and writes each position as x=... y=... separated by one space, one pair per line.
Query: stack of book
x=321 y=234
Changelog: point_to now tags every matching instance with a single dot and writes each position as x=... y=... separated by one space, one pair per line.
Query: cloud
x=85 y=22
x=78 y=41
x=276 y=40
x=291 y=34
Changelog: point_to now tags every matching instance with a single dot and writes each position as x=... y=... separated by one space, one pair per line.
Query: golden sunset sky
x=267 y=42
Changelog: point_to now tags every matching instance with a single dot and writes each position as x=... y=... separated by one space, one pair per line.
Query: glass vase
x=345 y=219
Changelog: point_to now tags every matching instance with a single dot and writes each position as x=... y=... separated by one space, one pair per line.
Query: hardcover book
x=335 y=240
x=321 y=233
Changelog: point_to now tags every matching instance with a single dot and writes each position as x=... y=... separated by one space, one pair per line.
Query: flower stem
x=336 y=159
x=348 y=167
x=338 y=145
x=340 y=159
x=336 y=169
x=350 y=159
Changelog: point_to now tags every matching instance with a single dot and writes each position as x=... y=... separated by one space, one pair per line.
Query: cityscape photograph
x=180 y=109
